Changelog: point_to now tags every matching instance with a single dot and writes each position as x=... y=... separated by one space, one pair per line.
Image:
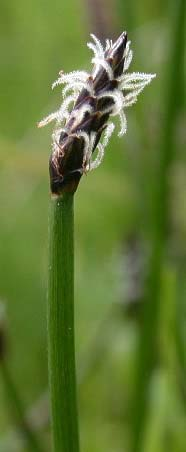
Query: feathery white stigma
x=125 y=94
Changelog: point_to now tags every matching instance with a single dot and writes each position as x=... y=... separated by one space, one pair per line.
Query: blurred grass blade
x=61 y=326
x=127 y=14
x=17 y=410
x=147 y=351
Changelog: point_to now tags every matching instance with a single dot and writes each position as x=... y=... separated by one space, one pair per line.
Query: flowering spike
x=89 y=100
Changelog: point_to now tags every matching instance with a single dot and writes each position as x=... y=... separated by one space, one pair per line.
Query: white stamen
x=86 y=149
x=95 y=50
x=136 y=77
x=132 y=86
x=130 y=99
x=127 y=48
x=98 y=44
x=63 y=110
x=107 y=47
x=48 y=119
x=108 y=132
x=89 y=153
x=101 y=62
x=76 y=87
x=128 y=60
x=101 y=147
x=95 y=163
x=93 y=136
x=74 y=76
x=123 y=124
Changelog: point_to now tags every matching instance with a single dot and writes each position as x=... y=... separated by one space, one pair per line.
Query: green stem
x=61 y=348
x=147 y=350
x=17 y=409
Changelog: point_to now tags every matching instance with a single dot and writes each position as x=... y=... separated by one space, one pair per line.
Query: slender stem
x=17 y=409
x=146 y=357
x=61 y=347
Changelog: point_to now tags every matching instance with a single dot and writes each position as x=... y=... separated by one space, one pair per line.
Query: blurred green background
x=130 y=229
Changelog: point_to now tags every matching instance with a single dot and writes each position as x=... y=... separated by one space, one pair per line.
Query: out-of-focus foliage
x=114 y=219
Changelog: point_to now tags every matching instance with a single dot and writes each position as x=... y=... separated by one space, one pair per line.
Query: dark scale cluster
x=68 y=162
